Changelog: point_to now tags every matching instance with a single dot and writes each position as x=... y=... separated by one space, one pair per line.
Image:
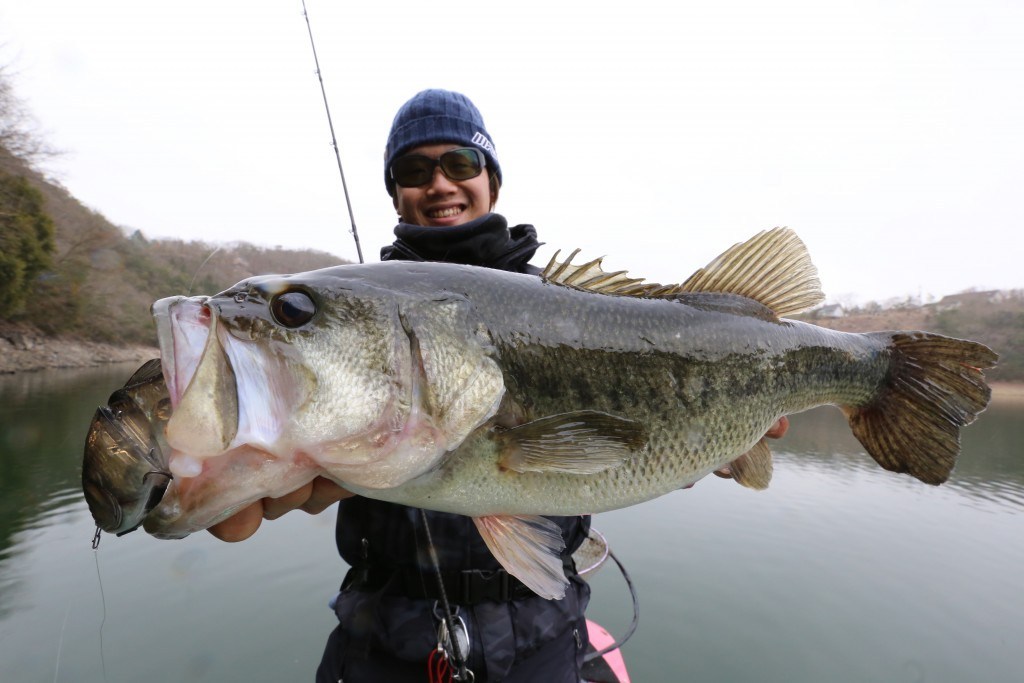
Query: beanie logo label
x=481 y=140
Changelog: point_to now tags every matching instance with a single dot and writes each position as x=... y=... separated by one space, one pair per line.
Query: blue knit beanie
x=434 y=117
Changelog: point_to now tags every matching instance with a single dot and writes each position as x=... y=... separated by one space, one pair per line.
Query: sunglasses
x=416 y=170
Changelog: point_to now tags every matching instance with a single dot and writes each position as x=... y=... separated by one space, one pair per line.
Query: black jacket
x=386 y=602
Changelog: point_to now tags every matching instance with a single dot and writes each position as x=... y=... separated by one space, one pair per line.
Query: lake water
x=839 y=572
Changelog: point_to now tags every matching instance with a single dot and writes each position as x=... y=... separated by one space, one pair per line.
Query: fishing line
x=103 y=599
x=636 y=614
x=200 y=268
x=334 y=139
x=60 y=644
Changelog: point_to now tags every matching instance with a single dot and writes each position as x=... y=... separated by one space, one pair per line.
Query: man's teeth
x=446 y=213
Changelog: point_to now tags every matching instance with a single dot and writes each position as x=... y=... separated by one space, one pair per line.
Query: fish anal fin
x=529 y=547
x=935 y=387
x=581 y=442
x=753 y=469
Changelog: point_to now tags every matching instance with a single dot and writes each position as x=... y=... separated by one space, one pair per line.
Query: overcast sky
x=887 y=133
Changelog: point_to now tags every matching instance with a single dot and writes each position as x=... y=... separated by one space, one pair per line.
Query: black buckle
x=477 y=585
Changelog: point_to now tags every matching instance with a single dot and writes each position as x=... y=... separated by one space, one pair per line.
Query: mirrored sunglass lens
x=461 y=164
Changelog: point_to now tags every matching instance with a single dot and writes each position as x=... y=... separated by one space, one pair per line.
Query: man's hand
x=314 y=498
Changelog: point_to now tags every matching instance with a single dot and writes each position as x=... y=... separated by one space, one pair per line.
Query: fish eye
x=292 y=309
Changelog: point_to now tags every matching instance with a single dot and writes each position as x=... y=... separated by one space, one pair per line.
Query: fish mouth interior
x=183 y=328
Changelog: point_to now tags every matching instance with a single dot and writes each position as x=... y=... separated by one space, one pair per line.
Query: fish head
x=343 y=371
x=124 y=467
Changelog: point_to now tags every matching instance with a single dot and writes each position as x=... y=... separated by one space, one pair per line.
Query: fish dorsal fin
x=772 y=268
x=591 y=277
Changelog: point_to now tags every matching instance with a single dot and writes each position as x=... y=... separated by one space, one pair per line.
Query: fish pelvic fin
x=935 y=386
x=753 y=469
x=529 y=547
x=772 y=268
x=581 y=442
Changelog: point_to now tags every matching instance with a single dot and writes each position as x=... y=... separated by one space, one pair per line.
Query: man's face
x=444 y=202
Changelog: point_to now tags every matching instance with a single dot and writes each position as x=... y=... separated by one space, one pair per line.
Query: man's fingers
x=325 y=493
x=779 y=428
x=275 y=507
x=241 y=525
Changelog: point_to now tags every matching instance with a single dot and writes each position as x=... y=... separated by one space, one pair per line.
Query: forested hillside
x=80 y=275
x=995 y=318
x=66 y=270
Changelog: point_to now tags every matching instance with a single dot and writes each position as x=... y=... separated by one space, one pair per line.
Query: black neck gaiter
x=486 y=241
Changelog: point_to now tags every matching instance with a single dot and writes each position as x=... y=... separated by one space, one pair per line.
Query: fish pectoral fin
x=753 y=469
x=582 y=442
x=529 y=547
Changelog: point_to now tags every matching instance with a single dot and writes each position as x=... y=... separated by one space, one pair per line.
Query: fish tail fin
x=935 y=386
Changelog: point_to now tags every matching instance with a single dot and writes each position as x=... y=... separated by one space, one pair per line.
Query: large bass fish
x=506 y=397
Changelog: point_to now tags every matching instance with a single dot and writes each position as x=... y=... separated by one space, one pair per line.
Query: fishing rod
x=334 y=139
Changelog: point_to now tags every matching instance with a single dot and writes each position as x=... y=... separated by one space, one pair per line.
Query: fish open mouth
x=200 y=381
x=183 y=328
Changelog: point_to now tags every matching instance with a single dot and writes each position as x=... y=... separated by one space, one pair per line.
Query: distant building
x=830 y=311
x=955 y=301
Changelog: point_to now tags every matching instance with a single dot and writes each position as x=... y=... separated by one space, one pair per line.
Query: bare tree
x=19 y=138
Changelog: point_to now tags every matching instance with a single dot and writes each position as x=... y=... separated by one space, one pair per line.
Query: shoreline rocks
x=25 y=349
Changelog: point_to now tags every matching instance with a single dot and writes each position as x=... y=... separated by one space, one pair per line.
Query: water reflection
x=990 y=467
x=43 y=418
